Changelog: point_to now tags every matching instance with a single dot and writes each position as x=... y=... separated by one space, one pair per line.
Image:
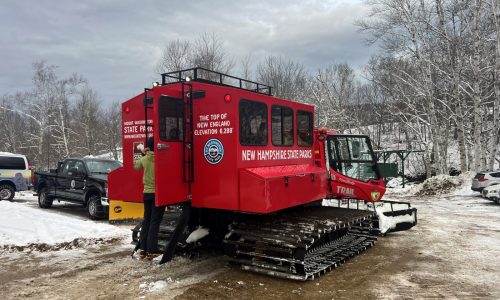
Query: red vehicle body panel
x=254 y=179
x=267 y=189
x=169 y=179
x=125 y=183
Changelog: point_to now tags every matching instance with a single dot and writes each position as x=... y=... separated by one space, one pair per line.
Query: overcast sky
x=116 y=44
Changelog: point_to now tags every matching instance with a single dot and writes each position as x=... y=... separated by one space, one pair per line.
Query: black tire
x=95 y=210
x=44 y=200
x=7 y=192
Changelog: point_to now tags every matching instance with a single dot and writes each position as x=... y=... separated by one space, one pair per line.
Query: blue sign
x=214 y=151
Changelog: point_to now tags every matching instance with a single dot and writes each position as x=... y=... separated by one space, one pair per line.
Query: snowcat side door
x=168 y=123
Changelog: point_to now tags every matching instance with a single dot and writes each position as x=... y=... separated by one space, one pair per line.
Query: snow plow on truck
x=247 y=172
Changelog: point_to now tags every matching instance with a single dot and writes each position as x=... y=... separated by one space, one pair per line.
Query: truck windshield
x=102 y=166
x=352 y=156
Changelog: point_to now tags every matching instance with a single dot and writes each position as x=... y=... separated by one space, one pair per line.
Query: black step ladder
x=188 y=154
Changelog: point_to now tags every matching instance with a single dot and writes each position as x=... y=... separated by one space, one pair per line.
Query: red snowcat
x=246 y=172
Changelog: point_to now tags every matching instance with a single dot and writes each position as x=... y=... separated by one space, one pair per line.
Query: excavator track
x=301 y=244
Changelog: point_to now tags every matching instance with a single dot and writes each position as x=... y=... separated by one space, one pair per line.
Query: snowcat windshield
x=352 y=156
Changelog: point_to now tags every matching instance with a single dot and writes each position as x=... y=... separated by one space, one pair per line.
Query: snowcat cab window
x=356 y=152
x=282 y=125
x=304 y=128
x=253 y=123
x=171 y=119
x=353 y=157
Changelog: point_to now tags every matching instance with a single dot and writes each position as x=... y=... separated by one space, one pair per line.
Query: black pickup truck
x=77 y=180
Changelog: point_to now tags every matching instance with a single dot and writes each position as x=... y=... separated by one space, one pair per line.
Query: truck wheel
x=94 y=208
x=6 y=192
x=44 y=201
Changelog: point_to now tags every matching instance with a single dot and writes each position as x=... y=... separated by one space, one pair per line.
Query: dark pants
x=151 y=224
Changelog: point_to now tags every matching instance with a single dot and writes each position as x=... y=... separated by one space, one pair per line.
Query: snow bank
x=395 y=186
x=442 y=184
x=21 y=225
x=437 y=185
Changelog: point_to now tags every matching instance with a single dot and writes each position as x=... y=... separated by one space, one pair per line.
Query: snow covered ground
x=452 y=253
x=24 y=224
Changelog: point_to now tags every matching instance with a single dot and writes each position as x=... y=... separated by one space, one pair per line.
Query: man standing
x=153 y=214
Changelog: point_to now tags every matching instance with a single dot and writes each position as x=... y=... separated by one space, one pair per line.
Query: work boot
x=153 y=255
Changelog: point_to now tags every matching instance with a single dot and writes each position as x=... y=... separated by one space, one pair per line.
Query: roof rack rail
x=209 y=76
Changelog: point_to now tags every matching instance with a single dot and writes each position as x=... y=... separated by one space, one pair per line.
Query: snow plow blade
x=395 y=216
x=391 y=216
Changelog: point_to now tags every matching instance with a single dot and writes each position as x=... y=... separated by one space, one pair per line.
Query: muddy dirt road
x=453 y=252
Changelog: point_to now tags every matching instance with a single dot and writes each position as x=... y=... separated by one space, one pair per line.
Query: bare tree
x=61 y=131
x=332 y=91
x=209 y=53
x=495 y=138
x=88 y=122
x=247 y=71
x=206 y=51
x=113 y=133
x=177 y=55
x=13 y=130
x=40 y=109
x=442 y=76
x=288 y=79
x=57 y=119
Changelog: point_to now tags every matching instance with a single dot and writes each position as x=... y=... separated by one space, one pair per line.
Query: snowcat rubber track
x=302 y=244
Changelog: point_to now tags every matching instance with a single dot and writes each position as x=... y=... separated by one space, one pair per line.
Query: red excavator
x=247 y=172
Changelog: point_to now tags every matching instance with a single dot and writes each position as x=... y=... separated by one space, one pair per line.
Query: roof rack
x=205 y=75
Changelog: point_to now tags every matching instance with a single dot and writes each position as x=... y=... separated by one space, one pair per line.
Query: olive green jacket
x=147 y=162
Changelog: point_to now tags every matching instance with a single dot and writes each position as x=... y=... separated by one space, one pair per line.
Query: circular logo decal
x=118 y=209
x=214 y=151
